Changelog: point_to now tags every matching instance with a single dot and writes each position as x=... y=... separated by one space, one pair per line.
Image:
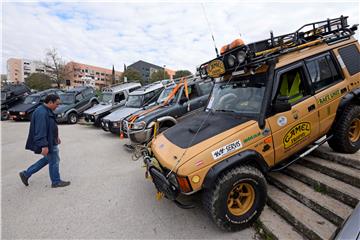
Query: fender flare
x=353 y=96
x=94 y=98
x=244 y=157
x=162 y=119
x=70 y=111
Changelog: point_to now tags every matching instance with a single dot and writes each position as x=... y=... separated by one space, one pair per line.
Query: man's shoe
x=60 y=184
x=24 y=179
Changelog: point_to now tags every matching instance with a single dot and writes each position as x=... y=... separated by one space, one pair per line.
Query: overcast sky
x=164 y=33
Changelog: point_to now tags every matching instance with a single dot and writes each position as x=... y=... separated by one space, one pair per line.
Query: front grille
x=162 y=184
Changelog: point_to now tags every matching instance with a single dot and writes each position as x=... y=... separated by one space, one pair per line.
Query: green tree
x=132 y=75
x=158 y=75
x=38 y=81
x=182 y=73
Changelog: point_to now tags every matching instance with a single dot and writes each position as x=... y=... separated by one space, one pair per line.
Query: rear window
x=351 y=57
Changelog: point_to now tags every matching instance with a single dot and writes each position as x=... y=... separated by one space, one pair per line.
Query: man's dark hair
x=51 y=98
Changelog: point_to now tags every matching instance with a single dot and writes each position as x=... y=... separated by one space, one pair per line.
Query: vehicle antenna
x=212 y=34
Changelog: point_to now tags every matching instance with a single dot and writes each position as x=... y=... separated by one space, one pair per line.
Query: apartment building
x=79 y=74
x=19 y=69
x=146 y=69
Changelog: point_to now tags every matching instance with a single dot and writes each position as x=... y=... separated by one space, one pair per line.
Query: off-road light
x=231 y=60
x=240 y=56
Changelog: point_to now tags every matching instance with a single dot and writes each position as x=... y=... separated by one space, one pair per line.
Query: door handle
x=311 y=107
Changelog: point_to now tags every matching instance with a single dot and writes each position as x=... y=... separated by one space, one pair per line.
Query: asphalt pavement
x=108 y=196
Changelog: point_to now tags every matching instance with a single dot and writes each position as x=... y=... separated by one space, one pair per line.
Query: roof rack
x=255 y=54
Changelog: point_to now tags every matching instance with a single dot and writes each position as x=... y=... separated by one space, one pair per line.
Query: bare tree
x=57 y=64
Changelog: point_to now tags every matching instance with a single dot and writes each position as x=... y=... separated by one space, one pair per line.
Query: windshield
x=134 y=101
x=164 y=94
x=3 y=95
x=67 y=98
x=106 y=98
x=242 y=96
x=32 y=100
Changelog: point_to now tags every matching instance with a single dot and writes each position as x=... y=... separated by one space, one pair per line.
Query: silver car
x=112 y=99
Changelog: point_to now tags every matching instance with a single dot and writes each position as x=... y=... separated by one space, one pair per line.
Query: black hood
x=22 y=107
x=182 y=133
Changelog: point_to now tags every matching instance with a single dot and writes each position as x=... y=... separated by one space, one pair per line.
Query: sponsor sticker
x=329 y=97
x=218 y=153
x=282 y=121
x=252 y=137
x=297 y=134
x=215 y=68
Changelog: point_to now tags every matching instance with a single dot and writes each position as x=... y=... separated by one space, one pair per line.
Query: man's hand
x=58 y=141
x=44 y=151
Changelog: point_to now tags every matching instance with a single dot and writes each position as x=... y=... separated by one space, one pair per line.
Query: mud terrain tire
x=219 y=201
x=341 y=140
x=73 y=118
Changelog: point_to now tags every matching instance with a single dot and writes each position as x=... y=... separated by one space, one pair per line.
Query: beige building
x=79 y=74
x=19 y=69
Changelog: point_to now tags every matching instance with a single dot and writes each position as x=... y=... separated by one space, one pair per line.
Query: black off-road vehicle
x=12 y=94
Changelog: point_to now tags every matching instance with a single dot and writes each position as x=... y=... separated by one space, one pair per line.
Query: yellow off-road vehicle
x=273 y=102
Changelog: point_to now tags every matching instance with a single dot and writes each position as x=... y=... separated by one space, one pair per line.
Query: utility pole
x=113 y=76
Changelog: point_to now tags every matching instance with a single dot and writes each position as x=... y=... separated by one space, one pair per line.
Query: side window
x=322 y=71
x=193 y=92
x=205 y=87
x=292 y=86
x=42 y=98
x=134 y=88
x=119 y=97
x=149 y=97
x=79 y=97
x=351 y=57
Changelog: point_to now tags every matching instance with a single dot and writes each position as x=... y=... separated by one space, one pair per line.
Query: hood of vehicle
x=120 y=114
x=22 y=107
x=99 y=108
x=150 y=116
x=63 y=108
x=183 y=141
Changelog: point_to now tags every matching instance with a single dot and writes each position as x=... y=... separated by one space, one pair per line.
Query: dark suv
x=74 y=102
x=24 y=110
x=139 y=127
x=12 y=94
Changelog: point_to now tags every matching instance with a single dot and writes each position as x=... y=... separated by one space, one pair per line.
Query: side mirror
x=281 y=106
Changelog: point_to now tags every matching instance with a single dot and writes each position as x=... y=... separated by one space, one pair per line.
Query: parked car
x=350 y=229
x=138 y=99
x=73 y=103
x=112 y=98
x=24 y=110
x=11 y=95
x=140 y=129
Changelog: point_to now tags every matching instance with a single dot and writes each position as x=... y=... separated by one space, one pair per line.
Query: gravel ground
x=108 y=196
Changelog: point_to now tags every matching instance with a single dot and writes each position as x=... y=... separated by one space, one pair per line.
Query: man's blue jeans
x=53 y=160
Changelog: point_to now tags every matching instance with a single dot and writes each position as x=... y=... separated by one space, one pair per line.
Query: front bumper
x=90 y=118
x=107 y=126
x=18 y=116
x=141 y=136
x=61 y=118
x=158 y=176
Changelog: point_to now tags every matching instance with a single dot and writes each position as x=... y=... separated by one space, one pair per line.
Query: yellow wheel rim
x=240 y=199
x=354 y=130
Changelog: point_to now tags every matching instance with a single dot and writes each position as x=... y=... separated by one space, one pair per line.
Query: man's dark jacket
x=43 y=130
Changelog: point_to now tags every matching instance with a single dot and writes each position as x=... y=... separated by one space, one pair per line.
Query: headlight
x=240 y=56
x=60 y=115
x=231 y=60
x=117 y=124
x=22 y=113
x=138 y=125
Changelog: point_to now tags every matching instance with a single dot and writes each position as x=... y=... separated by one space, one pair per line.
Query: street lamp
x=164 y=72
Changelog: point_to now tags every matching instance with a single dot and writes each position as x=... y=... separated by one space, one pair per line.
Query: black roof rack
x=257 y=53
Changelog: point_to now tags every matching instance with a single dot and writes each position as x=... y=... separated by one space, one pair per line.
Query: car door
x=328 y=85
x=80 y=103
x=294 y=129
x=194 y=102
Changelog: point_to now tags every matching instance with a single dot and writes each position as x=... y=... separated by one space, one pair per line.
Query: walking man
x=44 y=139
